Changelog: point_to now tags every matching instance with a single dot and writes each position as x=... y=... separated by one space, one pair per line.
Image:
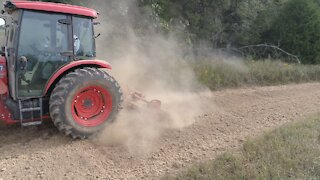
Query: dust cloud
x=150 y=62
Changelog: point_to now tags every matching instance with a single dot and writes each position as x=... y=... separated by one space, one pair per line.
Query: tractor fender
x=74 y=65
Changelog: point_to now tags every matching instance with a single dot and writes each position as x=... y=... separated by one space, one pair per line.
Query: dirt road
x=238 y=114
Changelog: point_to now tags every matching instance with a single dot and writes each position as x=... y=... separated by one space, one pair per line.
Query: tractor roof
x=55 y=7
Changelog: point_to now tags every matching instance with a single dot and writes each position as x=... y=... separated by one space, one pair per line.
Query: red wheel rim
x=91 y=106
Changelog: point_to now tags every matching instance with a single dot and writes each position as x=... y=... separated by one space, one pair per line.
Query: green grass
x=217 y=74
x=290 y=152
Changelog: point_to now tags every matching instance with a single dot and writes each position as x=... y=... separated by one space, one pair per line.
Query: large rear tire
x=84 y=102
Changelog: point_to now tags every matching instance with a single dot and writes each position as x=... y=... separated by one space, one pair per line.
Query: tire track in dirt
x=238 y=114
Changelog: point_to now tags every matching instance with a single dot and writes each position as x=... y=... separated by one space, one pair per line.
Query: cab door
x=43 y=43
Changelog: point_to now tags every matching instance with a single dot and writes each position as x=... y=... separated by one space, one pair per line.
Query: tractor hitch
x=135 y=99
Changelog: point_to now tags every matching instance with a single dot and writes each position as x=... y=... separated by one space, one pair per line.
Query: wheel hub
x=91 y=106
x=87 y=103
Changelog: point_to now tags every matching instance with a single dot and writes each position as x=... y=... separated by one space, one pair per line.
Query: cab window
x=83 y=38
x=42 y=40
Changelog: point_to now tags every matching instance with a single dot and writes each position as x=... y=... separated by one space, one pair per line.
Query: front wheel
x=84 y=102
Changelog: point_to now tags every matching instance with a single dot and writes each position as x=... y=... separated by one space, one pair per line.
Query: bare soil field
x=238 y=114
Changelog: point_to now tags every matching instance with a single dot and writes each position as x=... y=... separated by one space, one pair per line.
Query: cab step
x=36 y=107
x=35 y=123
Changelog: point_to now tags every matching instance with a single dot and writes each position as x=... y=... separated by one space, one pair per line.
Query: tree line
x=292 y=25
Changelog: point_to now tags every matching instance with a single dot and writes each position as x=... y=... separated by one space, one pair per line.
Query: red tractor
x=48 y=69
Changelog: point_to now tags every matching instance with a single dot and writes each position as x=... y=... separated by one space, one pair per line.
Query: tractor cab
x=47 y=50
x=40 y=42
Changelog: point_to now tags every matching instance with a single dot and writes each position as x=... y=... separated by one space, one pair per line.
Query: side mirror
x=97 y=35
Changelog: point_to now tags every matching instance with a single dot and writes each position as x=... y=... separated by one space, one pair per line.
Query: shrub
x=218 y=74
x=297 y=30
